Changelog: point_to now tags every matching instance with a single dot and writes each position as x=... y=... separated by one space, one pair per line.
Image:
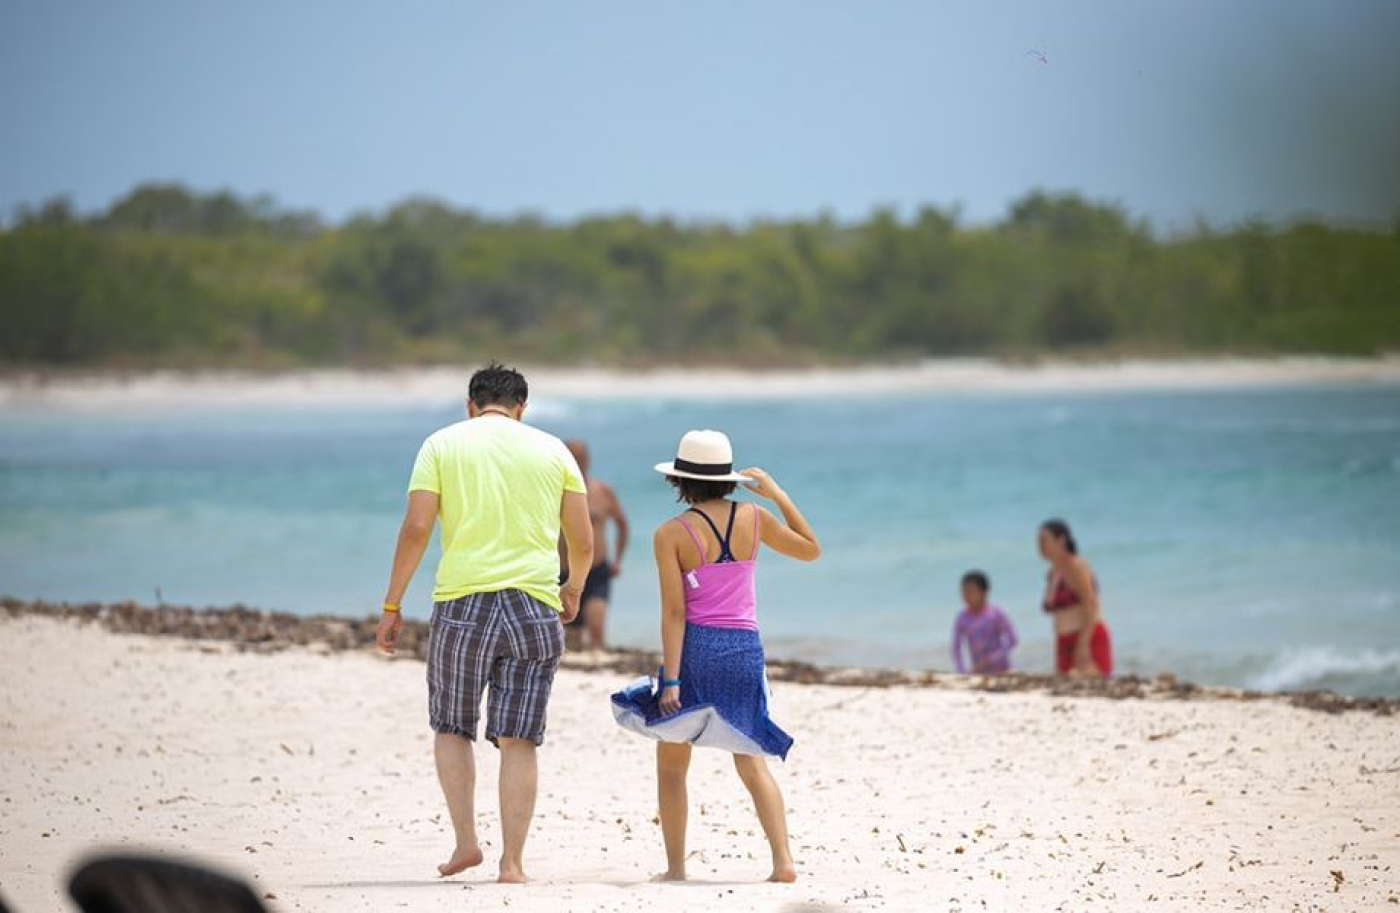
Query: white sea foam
x=1311 y=666
x=553 y=409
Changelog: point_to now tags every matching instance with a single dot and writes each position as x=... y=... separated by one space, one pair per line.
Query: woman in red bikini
x=1082 y=645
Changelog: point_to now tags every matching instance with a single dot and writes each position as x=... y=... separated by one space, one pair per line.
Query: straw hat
x=705 y=455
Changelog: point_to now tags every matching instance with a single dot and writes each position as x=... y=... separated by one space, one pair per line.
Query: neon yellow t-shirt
x=500 y=484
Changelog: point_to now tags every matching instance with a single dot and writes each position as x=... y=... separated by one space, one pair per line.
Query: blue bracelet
x=665 y=682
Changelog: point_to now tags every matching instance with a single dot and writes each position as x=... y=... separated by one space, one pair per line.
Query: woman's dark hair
x=977 y=579
x=693 y=491
x=497 y=385
x=1060 y=530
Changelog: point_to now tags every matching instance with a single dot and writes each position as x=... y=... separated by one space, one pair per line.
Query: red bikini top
x=1064 y=597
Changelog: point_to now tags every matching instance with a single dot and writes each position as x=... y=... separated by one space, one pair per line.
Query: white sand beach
x=311 y=775
x=434 y=387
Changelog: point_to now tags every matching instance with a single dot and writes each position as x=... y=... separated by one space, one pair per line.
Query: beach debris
x=252 y=630
x=1367 y=771
x=899 y=838
x=173 y=799
x=844 y=701
x=1190 y=868
x=1337 y=879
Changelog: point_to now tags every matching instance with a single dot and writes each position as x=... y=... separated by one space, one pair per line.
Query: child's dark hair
x=694 y=491
x=977 y=579
x=497 y=385
x=1060 y=530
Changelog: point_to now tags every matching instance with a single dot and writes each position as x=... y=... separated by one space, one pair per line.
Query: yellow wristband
x=391 y=606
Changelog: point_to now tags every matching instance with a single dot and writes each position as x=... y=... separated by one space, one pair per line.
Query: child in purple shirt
x=984 y=628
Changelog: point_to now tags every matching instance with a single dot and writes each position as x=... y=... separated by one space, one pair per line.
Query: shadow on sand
x=552 y=883
x=402 y=883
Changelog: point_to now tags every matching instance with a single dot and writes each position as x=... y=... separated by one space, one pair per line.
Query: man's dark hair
x=978 y=579
x=497 y=385
x=694 y=491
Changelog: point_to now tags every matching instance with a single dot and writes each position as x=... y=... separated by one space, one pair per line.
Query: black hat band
x=703 y=469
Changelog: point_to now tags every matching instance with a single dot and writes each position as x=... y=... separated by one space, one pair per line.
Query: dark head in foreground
x=125 y=884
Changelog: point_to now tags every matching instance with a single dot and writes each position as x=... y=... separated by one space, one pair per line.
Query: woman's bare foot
x=463 y=858
x=786 y=873
x=668 y=875
x=511 y=875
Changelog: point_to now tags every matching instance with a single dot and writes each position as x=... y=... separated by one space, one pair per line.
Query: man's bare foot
x=785 y=874
x=668 y=875
x=511 y=875
x=463 y=858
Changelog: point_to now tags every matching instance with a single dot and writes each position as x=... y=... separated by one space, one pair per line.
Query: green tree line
x=170 y=277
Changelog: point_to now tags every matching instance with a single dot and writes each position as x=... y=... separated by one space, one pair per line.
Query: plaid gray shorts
x=509 y=640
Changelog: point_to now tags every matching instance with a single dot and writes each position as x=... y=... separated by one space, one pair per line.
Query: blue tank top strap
x=725 y=555
x=729 y=530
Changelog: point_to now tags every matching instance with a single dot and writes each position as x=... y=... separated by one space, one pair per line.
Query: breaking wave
x=1329 y=667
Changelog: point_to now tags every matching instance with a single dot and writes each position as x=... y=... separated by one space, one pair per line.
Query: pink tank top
x=721 y=595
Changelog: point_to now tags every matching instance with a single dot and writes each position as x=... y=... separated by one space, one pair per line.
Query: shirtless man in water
x=603 y=506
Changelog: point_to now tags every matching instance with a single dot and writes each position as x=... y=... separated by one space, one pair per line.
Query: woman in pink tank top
x=711 y=689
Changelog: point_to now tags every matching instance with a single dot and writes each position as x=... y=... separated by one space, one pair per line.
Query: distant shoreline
x=259 y=631
x=440 y=386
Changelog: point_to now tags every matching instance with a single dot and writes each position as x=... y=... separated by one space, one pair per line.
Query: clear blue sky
x=1225 y=109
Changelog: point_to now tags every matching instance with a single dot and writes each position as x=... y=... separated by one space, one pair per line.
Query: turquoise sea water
x=1241 y=537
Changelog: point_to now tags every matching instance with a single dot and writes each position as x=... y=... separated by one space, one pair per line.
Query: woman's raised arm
x=796 y=538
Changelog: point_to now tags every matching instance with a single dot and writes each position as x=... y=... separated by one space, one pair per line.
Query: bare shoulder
x=1079 y=572
x=669 y=533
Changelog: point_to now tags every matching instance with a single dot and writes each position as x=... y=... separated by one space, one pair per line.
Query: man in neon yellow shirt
x=503 y=492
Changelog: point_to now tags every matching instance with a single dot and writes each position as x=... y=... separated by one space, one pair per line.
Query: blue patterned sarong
x=724 y=697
